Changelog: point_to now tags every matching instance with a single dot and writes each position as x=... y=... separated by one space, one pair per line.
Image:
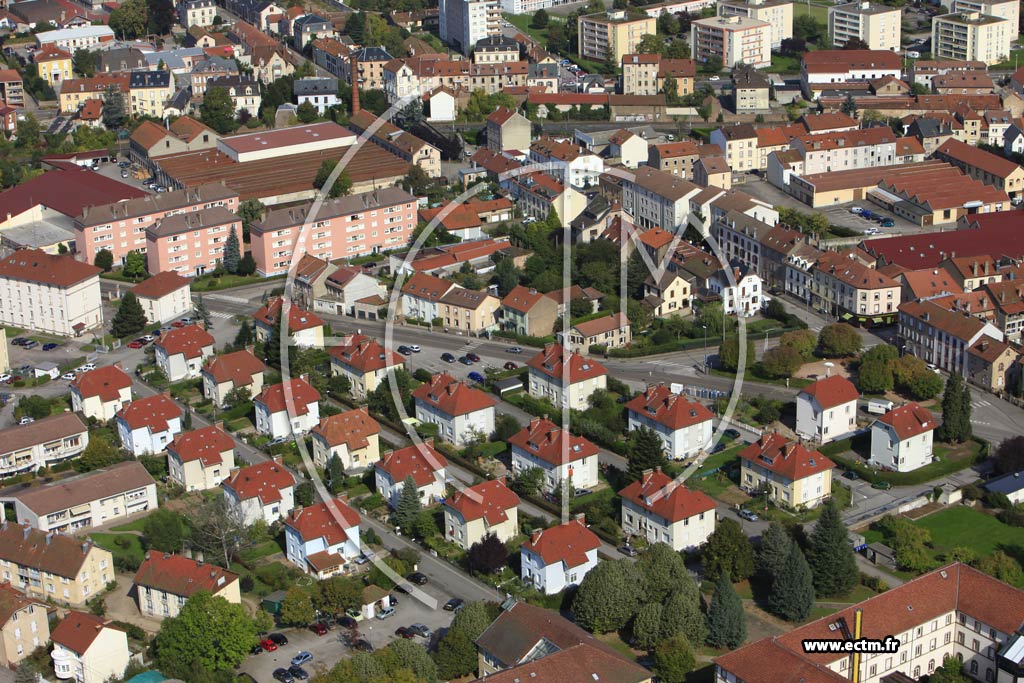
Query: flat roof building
x=972 y=36
x=733 y=39
x=877 y=25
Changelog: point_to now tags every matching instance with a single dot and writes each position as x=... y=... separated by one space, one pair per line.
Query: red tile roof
x=970 y=155
x=12 y=600
x=78 y=630
x=105 y=382
x=179 y=575
x=205 y=444
x=277 y=396
x=298 y=318
x=500 y=115
x=833 y=61
x=832 y=391
x=490 y=500
x=788 y=459
x=327 y=520
x=352 y=428
x=552 y=362
x=190 y=340
x=909 y=420
x=364 y=354
x=452 y=397
x=522 y=299
x=264 y=480
x=422 y=462
x=426 y=286
x=153 y=412
x=658 y=493
x=658 y=403
x=568 y=543
x=545 y=440
x=32 y=265
x=237 y=367
x=160 y=285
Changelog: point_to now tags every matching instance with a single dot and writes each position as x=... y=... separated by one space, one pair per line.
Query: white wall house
x=180 y=353
x=660 y=510
x=785 y=472
x=559 y=453
x=286 y=409
x=352 y=436
x=554 y=367
x=745 y=298
x=264 y=491
x=489 y=508
x=422 y=462
x=460 y=412
x=322 y=539
x=88 y=649
x=239 y=369
x=46 y=293
x=901 y=440
x=555 y=559
x=363 y=362
x=827 y=410
x=147 y=425
x=100 y=393
x=421 y=294
x=164 y=297
x=684 y=427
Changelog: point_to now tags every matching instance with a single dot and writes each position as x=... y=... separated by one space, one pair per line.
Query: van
x=879 y=406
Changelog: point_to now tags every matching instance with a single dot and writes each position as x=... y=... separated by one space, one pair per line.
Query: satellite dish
x=828 y=368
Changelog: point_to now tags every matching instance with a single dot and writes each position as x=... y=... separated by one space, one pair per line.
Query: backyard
x=852 y=454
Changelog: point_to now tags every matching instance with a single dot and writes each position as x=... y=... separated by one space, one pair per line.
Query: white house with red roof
x=474 y=513
x=555 y=559
x=100 y=393
x=287 y=408
x=264 y=491
x=180 y=353
x=236 y=370
x=364 y=362
x=662 y=510
x=165 y=296
x=353 y=436
x=201 y=459
x=684 y=426
x=557 y=452
x=165 y=582
x=788 y=473
x=322 y=539
x=88 y=649
x=565 y=378
x=421 y=294
x=827 y=410
x=424 y=463
x=305 y=329
x=901 y=440
x=461 y=412
x=147 y=425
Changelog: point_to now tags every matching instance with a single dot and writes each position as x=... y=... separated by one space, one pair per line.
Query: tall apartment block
x=876 y=24
x=1004 y=9
x=612 y=34
x=778 y=13
x=463 y=22
x=972 y=36
x=734 y=39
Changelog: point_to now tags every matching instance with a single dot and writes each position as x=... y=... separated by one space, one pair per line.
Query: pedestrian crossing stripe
x=219 y=314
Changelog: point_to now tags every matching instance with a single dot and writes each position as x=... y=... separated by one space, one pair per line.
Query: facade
x=264 y=491
x=23 y=625
x=190 y=243
x=846 y=288
x=53 y=66
x=684 y=427
x=322 y=93
x=45 y=442
x=87 y=500
x=464 y=23
x=468 y=311
x=561 y=455
x=323 y=539
x=47 y=293
x=12 y=89
x=901 y=440
x=287 y=409
x=785 y=472
x=743 y=294
x=991 y=169
x=612 y=34
x=243 y=91
x=611 y=332
x=823 y=69
x=181 y=352
x=421 y=296
x=507 y=130
x=164 y=297
x=662 y=510
x=993 y=365
x=76 y=37
x=364 y=362
x=147 y=425
x=827 y=410
x=88 y=649
x=668 y=295
x=236 y=370
x=877 y=25
x=422 y=462
x=100 y=393
x=751 y=92
x=165 y=582
x=559 y=557
x=461 y=412
x=490 y=508
x=202 y=458
x=53 y=566
x=942 y=337
x=972 y=36
x=197 y=12
x=658 y=199
x=352 y=436
x=149 y=91
x=304 y=329
x=565 y=378
x=734 y=39
x=527 y=311
x=778 y=13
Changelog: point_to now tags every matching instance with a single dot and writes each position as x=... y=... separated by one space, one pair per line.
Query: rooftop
x=85 y=488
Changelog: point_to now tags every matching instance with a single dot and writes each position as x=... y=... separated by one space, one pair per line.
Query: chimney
x=354 y=78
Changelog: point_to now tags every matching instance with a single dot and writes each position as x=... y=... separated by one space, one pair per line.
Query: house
x=668 y=295
x=629 y=149
x=662 y=510
x=827 y=409
x=611 y=332
x=364 y=362
x=180 y=353
x=526 y=311
x=165 y=582
x=164 y=297
x=472 y=514
x=146 y=425
x=565 y=378
x=236 y=370
x=23 y=625
x=202 y=458
x=89 y=649
x=304 y=328
x=322 y=93
x=84 y=501
x=331 y=286
x=572 y=164
x=149 y=92
x=424 y=463
x=264 y=491
x=322 y=539
x=507 y=130
x=65 y=569
x=467 y=310
x=561 y=455
x=901 y=440
x=1010 y=485
x=352 y=436
x=993 y=364
x=785 y=472
x=100 y=393
x=310 y=27
x=287 y=409
x=461 y=412
x=684 y=427
x=657 y=199
x=559 y=557
x=421 y=294
x=853 y=291
x=49 y=293
x=53 y=65
x=398 y=141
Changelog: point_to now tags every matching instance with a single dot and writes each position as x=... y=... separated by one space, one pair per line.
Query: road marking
x=225 y=297
x=221 y=314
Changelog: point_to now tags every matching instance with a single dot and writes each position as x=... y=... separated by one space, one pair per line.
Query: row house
x=1007 y=298
x=100 y=393
x=43 y=443
x=785 y=472
x=536 y=194
x=181 y=353
x=421 y=296
x=49 y=293
x=164 y=583
x=51 y=566
x=287 y=409
x=461 y=412
x=645 y=74
x=209 y=69
x=262 y=491
x=352 y=436
x=610 y=331
x=776 y=247
x=526 y=311
x=568 y=161
x=864 y=148
x=683 y=426
x=559 y=454
x=740 y=238
x=849 y=290
x=363 y=362
x=149 y=91
x=658 y=199
x=468 y=310
x=191 y=243
x=401 y=143
x=941 y=337
x=739 y=146
x=75 y=91
x=227 y=372
x=661 y=510
x=369 y=61
x=971 y=272
x=89 y=649
x=422 y=463
x=332 y=286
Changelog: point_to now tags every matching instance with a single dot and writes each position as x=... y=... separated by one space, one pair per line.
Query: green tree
x=304 y=494
x=651 y=45
x=729 y=354
x=674 y=659
x=342 y=184
x=337 y=594
x=781 y=361
x=297 y=608
x=263 y=621
x=849 y=106
x=406 y=656
x=774 y=552
x=952 y=670
x=792 y=592
x=540 y=19
x=247 y=266
x=473 y=619
x=130 y=19
x=1001 y=566
x=130 y=318
x=838 y=340
x=134 y=265
x=455 y=655
x=506 y=276
x=232 y=252
x=26 y=674
x=409 y=504
x=113 y=113
x=728 y=550
x=830 y=555
x=34 y=406
x=875 y=377
x=84 y=62
x=200 y=311
x=956 y=411
x=100 y=452
x=683 y=614
x=608 y=596
x=647 y=626
x=250 y=211
x=218 y=111
x=663 y=569
x=528 y=481
x=646 y=452
x=727 y=625
x=28 y=130
x=668 y=24
x=306 y=112
x=245 y=335
x=209 y=632
x=104 y=259
x=336 y=473
x=671 y=89
x=165 y=530
x=161 y=17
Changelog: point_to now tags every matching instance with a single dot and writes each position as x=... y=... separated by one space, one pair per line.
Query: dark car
x=319 y=628
x=418 y=578
x=283 y=676
x=628 y=551
x=465 y=360
x=405 y=350
x=511 y=366
x=404 y=632
x=473 y=357
x=363 y=645
x=347 y=622
x=731 y=433
x=447 y=358
x=851 y=475
x=50 y=347
x=393 y=599
x=255 y=650
x=298 y=673
x=881 y=485
x=454 y=605
x=278 y=638
x=476 y=376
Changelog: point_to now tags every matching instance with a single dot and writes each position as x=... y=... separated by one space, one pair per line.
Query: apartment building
x=149 y=91
x=461 y=412
x=612 y=34
x=785 y=472
x=490 y=508
x=848 y=150
x=88 y=500
x=164 y=583
x=75 y=91
x=121 y=227
x=507 y=129
x=1004 y=9
x=676 y=158
x=751 y=91
x=572 y=163
x=610 y=332
x=243 y=91
x=89 y=649
x=202 y=458
x=190 y=243
x=53 y=65
x=658 y=199
x=942 y=337
x=662 y=510
x=824 y=69
x=991 y=169
x=528 y=311
x=739 y=146
x=53 y=566
x=468 y=311
x=734 y=39
x=23 y=625
x=43 y=443
x=683 y=426
x=49 y=293
x=197 y=12
x=778 y=13
x=848 y=289
x=463 y=23
x=164 y=297
x=644 y=74
x=12 y=89
x=877 y=25
x=972 y=36
x=537 y=193
x=350 y=226
x=401 y=143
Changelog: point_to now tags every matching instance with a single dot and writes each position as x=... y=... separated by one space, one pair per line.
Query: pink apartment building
x=121 y=227
x=190 y=243
x=351 y=226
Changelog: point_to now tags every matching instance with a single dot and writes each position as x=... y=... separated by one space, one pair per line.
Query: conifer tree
x=831 y=555
x=130 y=318
x=232 y=253
x=727 y=625
x=792 y=593
x=775 y=546
x=408 y=504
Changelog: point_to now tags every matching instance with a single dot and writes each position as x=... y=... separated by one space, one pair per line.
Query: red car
x=268 y=645
x=135 y=345
x=319 y=628
x=473 y=357
x=177 y=323
x=511 y=366
x=404 y=632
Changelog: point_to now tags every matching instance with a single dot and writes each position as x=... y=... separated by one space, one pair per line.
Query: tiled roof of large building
x=85 y=488
x=183 y=576
x=12 y=600
x=554 y=361
x=970 y=155
x=361 y=353
x=578 y=664
x=832 y=61
x=237 y=367
x=420 y=461
x=190 y=340
x=957 y=325
x=490 y=500
x=205 y=444
x=54 y=553
x=832 y=391
x=522 y=299
x=658 y=403
x=264 y=480
x=32 y=265
x=788 y=459
x=658 y=493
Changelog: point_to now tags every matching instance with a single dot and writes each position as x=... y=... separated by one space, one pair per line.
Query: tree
x=165 y=530
x=84 y=62
x=646 y=452
x=1009 y=456
x=608 y=596
x=473 y=619
x=1001 y=566
x=342 y=184
x=488 y=556
x=250 y=211
x=99 y=453
x=297 y=608
x=647 y=626
x=26 y=674
x=803 y=341
x=200 y=311
x=951 y=671
x=208 y=632
x=793 y=46
x=416 y=181
x=217 y=528
x=956 y=411
x=404 y=655
x=855 y=44
x=218 y=111
x=650 y=45
x=774 y=552
x=849 y=106
x=729 y=354
x=232 y=252
x=336 y=474
x=504 y=427
x=27 y=132
x=528 y=481
x=668 y=24
x=506 y=276
x=683 y=614
x=838 y=340
x=918 y=89
x=728 y=550
x=673 y=659
x=304 y=494
x=36 y=407
x=456 y=654
x=130 y=19
x=263 y=621
x=830 y=555
x=875 y=377
x=781 y=361
x=104 y=259
x=727 y=625
x=409 y=505
x=540 y=19
x=247 y=266
x=134 y=265
x=113 y=108
x=306 y=112
x=337 y=594
x=792 y=592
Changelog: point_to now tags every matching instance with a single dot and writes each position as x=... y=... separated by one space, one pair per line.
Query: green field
x=963 y=526
x=818 y=12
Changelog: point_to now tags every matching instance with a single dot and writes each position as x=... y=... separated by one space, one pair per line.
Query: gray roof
x=121 y=59
x=144 y=206
x=150 y=79
x=1006 y=484
x=193 y=220
x=216 y=65
x=36 y=235
x=309 y=20
x=498 y=43
x=372 y=53
x=181 y=99
x=316 y=86
x=231 y=82
x=173 y=59
x=546 y=70
x=387 y=196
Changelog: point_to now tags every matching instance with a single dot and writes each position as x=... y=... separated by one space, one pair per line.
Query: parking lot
x=112 y=170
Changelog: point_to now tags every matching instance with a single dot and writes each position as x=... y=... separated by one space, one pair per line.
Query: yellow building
x=53 y=566
x=53 y=65
x=876 y=24
x=778 y=13
x=668 y=295
x=612 y=34
x=972 y=36
x=149 y=91
x=467 y=310
x=23 y=625
x=352 y=436
x=202 y=458
x=165 y=582
x=785 y=472
x=486 y=509
x=364 y=362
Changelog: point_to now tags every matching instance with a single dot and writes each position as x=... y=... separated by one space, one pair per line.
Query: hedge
x=686 y=345
x=916 y=477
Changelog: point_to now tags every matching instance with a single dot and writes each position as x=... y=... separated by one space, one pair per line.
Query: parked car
x=386 y=613
x=19 y=341
x=278 y=638
x=731 y=433
x=404 y=632
x=319 y=628
x=256 y=649
x=405 y=350
x=856 y=210
x=415 y=348
x=26 y=420
x=476 y=376
x=851 y=475
x=454 y=605
x=715 y=78
x=581 y=492
x=628 y=551
x=50 y=346
x=418 y=578
x=511 y=366
x=514 y=349
x=347 y=622
x=447 y=358
x=302 y=658
x=142 y=340
x=465 y=360
x=747 y=515
x=881 y=485
x=268 y=645
x=148 y=338
x=68 y=376
x=283 y=676
x=30 y=344
x=473 y=357
x=298 y=673
x=888 y=223
x=5 y=377
x=421 y=630
x=135 y=344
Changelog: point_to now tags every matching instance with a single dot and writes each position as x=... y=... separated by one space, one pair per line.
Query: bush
x=838 y=340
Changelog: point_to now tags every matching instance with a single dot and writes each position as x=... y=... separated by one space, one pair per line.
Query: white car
x=26 y=420
x=856 y=209
x=715 y=78
x=415 y=348
x=69 y=376
x=88 y=366
x=5 y=377
x=913 y=54
x=148 y=337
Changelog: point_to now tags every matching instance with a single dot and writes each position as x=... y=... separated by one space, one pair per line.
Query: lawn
x=714 y=485
x=949 y=459
x=128 y=546
x=818 y=12
x=967 y=527
x=784 y=64
x=135 y=525
x=717 y=460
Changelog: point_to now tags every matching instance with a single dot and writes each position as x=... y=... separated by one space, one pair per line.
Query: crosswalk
x=981 y=403
x=674 y=366
x=221 y=314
